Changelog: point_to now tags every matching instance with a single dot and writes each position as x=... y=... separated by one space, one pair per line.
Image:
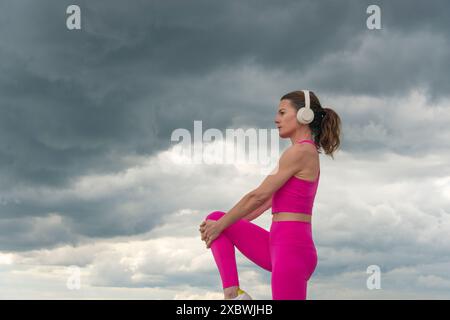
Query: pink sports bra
x=296 y=195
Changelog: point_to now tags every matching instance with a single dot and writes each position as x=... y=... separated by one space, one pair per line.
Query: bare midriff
x=290 y=216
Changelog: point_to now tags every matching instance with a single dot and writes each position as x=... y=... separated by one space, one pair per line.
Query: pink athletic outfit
x=287 y=250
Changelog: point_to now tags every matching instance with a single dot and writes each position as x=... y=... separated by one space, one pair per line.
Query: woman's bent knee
x=215 y=215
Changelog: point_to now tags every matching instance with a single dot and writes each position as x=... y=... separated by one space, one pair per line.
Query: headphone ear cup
x=305 y=116
x=299 y=115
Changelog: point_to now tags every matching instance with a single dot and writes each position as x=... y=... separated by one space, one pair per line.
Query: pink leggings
x=288 y=251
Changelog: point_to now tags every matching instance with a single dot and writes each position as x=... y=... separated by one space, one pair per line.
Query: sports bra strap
x=307 y=140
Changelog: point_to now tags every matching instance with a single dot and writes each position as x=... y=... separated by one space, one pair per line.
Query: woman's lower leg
x=251 y=240
x=230 y=292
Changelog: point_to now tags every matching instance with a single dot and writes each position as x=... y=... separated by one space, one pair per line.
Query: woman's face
x=286 y=119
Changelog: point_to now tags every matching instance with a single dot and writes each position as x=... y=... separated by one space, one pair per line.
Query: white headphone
x=305 y=115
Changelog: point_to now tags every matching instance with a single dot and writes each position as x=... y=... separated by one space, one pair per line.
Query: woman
x=288 y=249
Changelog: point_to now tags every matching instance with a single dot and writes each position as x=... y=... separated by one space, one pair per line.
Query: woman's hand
x=210 y=230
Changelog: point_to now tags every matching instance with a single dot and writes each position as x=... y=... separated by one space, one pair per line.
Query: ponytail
x=330 y=131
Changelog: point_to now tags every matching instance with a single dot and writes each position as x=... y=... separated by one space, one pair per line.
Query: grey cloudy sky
x=87 y=171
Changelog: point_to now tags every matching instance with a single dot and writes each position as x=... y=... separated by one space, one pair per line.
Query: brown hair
x=326 y=126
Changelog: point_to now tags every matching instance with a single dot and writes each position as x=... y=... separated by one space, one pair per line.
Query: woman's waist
x=291 y=216
x=291 y=232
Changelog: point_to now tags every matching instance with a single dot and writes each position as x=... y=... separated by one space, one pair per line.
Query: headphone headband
x=307 y=103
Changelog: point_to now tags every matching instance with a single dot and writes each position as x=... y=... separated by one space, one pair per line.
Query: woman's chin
x=282 y=135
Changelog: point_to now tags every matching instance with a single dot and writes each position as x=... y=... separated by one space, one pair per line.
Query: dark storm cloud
x=73 y=96
x=75 y=102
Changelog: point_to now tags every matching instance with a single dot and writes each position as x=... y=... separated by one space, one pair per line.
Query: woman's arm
x=290 y=162
x=258 y=211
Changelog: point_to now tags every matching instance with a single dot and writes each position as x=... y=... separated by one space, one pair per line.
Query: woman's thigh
x=249 y=238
